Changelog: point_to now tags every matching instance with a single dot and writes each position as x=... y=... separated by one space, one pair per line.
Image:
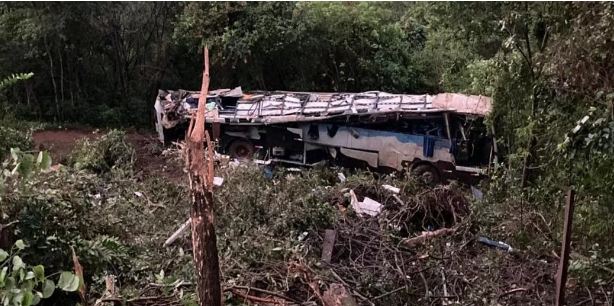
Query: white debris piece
x=391 y=188
x=579 y=126
x=368 y=206
x=341 y=177
x=262 y=162
x=138 y=194
x=218 y=181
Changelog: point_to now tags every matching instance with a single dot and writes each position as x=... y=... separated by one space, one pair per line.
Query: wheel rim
x=428 y=177
x=242 y=152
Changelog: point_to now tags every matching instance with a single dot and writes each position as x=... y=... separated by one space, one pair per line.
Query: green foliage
x=103 y=154
x=12 y=138
x=308 y=46
x=13 y=79
x=102 y=217
x=545 y=64
x=23 y=165
x=24 y=285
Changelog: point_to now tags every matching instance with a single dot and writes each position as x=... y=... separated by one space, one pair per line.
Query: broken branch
x=177 y=233
x=253 y=298
x=428 y=235
x=248 y=289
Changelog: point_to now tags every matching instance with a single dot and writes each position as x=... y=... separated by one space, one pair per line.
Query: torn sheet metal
x=279 y=107
x=463 y=104
x=173 y=107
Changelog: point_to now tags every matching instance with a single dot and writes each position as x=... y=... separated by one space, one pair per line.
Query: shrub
x=103 y=154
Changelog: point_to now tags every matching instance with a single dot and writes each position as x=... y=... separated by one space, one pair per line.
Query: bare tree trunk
x=204 y=241
x=61 y=74
x=51 y=70
x=25 y=85
x=526 y=168
x=55 y=87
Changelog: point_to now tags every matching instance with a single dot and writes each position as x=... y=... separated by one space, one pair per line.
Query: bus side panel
x=393 y=148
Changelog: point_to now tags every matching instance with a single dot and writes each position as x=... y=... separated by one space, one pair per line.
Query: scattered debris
x=268 y=173
x=477 y=194
x=329 y=243
x=497 y=244
x=138 y=194
x=396 y=198
x=368 y=206
x=218 y=181
x=341 y=177
x=392 y=188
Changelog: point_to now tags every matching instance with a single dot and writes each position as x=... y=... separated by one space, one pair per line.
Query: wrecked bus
x=435 y=137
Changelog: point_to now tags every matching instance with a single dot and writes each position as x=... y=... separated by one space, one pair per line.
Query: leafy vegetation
x=24 y=285
x=103 y=154
x=547 y=65
x=11 y=138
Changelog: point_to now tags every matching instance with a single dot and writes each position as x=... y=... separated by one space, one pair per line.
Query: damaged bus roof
x=235 y=106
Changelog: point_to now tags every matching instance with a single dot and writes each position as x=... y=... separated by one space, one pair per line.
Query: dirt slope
x=60 y=143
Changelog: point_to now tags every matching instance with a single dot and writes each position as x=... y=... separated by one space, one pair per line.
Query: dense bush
x=102 y=154
x=109 y=221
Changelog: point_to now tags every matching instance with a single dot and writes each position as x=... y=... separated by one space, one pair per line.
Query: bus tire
x=241 y=149
x=427 y=174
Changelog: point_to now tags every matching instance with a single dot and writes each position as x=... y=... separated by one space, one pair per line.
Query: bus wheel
x=427 y=174
x=241 y=149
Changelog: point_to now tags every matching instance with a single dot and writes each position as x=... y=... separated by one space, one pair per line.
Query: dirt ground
x=60 y=143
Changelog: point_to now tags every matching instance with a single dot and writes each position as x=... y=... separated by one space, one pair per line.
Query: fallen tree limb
x=427 y=235
x=248 y=289
x=148 y=300
x=177 y=233
x=512 y=291
x=388 y=293
x=252 y=298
